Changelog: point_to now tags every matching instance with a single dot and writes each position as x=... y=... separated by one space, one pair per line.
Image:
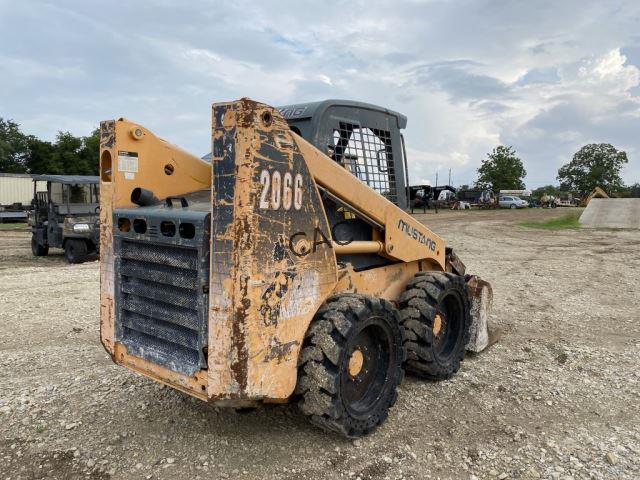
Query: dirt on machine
x=287 y=269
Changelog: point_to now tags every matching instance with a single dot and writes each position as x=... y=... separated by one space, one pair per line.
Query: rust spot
x=107 y=134
x=239 y=364
x=243 y=240
x=246 y=115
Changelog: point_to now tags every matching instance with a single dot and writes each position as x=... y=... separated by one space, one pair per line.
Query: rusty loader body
x=281 y=270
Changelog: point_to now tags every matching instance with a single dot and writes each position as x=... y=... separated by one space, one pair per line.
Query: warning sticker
x=127 y=161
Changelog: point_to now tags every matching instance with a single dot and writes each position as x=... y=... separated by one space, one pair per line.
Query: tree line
x=67 y=155
x=594 y=165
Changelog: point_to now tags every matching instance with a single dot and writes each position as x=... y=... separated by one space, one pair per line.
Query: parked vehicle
x=426 y=196
x=65 y=216
x=478 y=198
x=512 y=202
x=548 y=201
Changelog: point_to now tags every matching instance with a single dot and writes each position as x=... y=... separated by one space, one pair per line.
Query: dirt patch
x=557 y=397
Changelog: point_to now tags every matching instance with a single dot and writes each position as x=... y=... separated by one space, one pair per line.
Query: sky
x=545 y=77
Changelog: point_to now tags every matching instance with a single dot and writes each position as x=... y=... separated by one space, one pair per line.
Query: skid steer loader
x=284 y=269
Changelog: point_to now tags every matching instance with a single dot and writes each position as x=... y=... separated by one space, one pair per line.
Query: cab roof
x=300 y=111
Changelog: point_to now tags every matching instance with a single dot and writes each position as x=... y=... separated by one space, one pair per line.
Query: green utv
x=66 y=216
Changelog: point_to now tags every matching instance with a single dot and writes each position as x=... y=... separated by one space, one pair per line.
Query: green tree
x=13 y=148
x=40 y=157
x=69 y=155
x=90 y=153
x=594 y=165
x=546 y=190
x=630 y=191
x=66 y=154
x=501 y=170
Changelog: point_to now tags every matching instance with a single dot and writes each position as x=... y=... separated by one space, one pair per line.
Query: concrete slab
x=611 y=213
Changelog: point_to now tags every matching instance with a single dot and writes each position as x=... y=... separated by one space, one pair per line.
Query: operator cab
x=364 y=138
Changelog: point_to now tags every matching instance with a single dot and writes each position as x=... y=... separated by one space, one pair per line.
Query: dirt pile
x=612 y=213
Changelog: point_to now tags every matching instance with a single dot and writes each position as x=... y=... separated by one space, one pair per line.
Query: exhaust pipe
x=143 y=197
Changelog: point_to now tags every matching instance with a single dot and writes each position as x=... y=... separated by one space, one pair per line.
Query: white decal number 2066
x=280 y=190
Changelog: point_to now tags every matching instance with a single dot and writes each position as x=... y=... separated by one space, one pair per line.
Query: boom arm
x=405 y=238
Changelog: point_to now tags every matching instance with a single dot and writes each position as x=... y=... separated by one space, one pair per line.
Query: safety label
x=127 y=161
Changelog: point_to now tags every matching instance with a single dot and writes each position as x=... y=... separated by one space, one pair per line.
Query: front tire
x=436 y=318
x=513 y=207
x=75 y=250
x=351 y=364
x=38 y=249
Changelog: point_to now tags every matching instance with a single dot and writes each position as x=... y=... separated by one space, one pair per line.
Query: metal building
x=17 y=188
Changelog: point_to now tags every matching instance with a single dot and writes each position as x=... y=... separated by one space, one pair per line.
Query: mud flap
x=481 y=296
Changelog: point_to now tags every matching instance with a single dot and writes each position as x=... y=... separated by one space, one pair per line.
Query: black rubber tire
x=345 y=323
x=512 y=207
x=75 y=250
x=38 y=249
x=427 y=294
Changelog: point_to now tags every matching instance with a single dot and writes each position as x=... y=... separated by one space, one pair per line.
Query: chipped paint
x=279 y=351
x=273 y=295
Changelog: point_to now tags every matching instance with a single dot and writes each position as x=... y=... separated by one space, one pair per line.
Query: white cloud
x=612 y=69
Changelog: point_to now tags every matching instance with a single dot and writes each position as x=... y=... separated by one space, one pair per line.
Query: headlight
x=81 y=227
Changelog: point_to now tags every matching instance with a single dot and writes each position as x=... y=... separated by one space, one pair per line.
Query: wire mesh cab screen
x=363 y=138
x=367 y=154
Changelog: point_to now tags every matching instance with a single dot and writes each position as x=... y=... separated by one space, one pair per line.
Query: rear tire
x=351 y=364
x=436 y=319
x=75 y=250
x=38 y=249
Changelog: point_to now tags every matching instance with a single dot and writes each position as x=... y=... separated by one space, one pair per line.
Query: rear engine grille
x=161 y=306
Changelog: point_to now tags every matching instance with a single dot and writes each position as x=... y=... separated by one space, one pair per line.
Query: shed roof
x=68 y=179
x=15 y=175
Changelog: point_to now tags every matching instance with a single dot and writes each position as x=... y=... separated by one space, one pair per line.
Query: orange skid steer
x=284 y=269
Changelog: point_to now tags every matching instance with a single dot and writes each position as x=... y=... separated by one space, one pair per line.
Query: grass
x=559 y=223
x=13 y=226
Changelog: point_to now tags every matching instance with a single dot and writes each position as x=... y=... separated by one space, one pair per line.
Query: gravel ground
x=557 y=397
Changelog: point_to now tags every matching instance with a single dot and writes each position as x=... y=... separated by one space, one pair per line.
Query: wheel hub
x=356 y=360
x=366 y=368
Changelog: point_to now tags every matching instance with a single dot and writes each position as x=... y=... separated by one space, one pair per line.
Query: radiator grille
x=161 y=305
